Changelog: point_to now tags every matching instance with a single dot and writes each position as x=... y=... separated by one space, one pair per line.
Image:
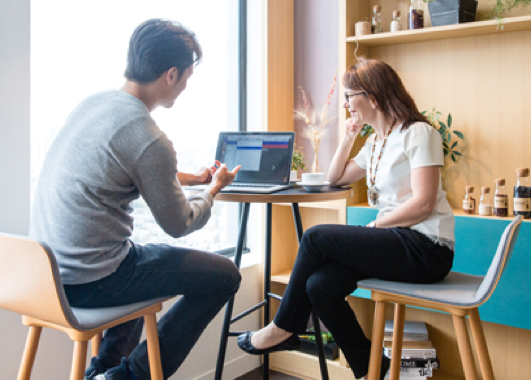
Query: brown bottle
x=500 y=199
x=469 y=201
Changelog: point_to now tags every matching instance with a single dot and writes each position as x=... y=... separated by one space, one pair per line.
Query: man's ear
x=172 y=75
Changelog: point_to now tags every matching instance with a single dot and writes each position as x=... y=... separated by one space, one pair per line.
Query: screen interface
x=264 y=158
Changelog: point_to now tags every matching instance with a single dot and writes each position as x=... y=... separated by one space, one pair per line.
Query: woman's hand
x=351 y=129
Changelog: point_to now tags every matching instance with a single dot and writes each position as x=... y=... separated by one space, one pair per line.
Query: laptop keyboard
x=257 y=186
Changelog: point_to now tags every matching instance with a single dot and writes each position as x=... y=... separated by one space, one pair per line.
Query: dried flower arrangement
x=315 y=122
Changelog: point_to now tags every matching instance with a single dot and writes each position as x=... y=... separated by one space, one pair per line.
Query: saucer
x=313 y=188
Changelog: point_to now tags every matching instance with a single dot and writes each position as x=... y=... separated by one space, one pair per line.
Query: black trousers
x=330 y=262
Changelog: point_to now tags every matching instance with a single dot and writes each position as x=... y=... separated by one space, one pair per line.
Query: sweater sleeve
x=156 y=179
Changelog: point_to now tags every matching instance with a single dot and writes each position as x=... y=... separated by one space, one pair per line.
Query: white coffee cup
x=313 y=178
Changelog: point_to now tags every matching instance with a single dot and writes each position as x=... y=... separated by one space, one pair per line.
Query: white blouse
x=418 y=146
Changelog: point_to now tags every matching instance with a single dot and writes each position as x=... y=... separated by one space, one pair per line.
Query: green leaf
x=445 y=145
x=453 y=159
x=443 y=126
x=449 y=120
x=454 y=144
x=424 y=112
x=458 y=153
x=459 y=134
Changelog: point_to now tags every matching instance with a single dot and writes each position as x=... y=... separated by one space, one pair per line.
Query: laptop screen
x=265 y=157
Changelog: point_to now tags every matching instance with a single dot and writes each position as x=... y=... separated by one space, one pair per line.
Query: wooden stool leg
x=377 y=341
x=152 y=336
x=95 y=344
x=28 y=358
x=465 y=349
x=398 y=334
x=79 y=360
x=481 y=345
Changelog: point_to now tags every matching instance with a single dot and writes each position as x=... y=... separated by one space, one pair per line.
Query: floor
x=273 y=375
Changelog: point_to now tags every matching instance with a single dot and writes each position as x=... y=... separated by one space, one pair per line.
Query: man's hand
x=221 y=178
x=202 y=177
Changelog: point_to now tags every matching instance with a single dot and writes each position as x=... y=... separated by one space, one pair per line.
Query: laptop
x=265 y=158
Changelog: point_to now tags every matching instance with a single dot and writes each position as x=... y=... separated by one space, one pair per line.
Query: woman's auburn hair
x=380 y=82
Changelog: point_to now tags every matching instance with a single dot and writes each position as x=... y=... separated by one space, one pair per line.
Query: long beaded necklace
x=372 y=193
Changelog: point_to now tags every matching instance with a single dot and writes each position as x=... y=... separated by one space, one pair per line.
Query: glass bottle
x=415 y=17
x=469 y=201
x=396 y=24
x=521 y=201
x=376 y=26
x=500 y=198
x=485 y=203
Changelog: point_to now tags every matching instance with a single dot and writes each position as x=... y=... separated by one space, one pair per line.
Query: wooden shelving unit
x=472 y=29
x=478 y=74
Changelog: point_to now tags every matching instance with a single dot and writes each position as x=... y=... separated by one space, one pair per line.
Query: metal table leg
x=228 y=311
x=315 y=319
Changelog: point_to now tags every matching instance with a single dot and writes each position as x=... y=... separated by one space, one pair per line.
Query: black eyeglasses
x=348 y=96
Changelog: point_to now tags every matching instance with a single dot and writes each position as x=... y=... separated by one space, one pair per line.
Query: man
x=109 y=152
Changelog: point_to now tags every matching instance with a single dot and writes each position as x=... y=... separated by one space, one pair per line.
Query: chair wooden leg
x=152 y=336
x=95 y=344
x=378 y=328
x=79 y=360
x=465 y=349
x=481 y=345
x=398 y=334
x=28 y=358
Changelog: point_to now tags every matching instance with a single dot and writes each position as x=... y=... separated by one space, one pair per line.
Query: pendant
x=372 y=196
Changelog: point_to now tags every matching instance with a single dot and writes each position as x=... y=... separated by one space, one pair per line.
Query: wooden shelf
x=471 y=29
x=329 y=205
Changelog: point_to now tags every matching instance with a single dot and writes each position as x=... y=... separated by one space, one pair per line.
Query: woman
x=411 y=240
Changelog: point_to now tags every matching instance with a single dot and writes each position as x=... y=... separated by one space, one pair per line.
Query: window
x=80 y=48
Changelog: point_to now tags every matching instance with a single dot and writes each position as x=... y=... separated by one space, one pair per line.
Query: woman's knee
x=315 y=287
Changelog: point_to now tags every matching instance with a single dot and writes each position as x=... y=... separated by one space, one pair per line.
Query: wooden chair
x=458 y=294
x=30 y=286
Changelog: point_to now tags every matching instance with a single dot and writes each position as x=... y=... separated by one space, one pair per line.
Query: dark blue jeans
x=330 y=262
x=206 y=282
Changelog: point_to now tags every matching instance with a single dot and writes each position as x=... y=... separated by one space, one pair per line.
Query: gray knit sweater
x=108 y=153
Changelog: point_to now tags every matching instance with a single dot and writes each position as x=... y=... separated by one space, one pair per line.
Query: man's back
x=82 y=203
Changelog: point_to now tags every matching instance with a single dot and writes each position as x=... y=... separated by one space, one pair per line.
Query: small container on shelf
x=415 y=17
x=485 y=202
x=469 y=201
x=500 y=204
x=396 y=24
x=376 y=26
x=521 y=200
x=363 y=27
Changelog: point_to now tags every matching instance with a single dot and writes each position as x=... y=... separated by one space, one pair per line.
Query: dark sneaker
x=95 y=368
x=122 y=372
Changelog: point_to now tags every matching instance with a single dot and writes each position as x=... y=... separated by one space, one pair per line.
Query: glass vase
x=316 y=168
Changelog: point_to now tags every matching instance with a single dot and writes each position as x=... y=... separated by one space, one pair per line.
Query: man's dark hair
x=158 y=45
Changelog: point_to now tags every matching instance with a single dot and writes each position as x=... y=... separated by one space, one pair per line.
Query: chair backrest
x=499 y=262
x=29 y=281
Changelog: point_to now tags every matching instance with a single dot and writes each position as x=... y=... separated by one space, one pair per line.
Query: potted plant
x=297 y=163
x=450 y=12
x=308 y=345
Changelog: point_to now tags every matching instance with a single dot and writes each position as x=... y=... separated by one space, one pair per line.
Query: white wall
x=55 y=353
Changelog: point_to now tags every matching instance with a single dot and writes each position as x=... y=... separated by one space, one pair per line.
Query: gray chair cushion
x=88 y=319
x=457 y=289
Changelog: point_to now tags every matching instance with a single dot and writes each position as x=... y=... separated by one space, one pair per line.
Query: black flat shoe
x=384 y=366
x=244 y=342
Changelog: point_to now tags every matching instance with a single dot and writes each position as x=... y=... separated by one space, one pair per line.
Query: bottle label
x=468 y=204
x=485 y=210
x=500 y=202
x=521 y=204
